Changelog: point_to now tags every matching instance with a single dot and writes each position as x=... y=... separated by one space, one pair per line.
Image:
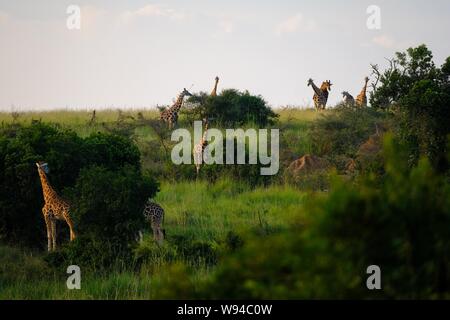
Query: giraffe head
x=43 y=166
x=366 y=79
x=326 y=85
x=217 y=79
x=186 y=93
x=345 y=93
x=310 y=81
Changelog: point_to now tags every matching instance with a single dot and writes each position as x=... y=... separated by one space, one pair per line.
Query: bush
x=419 y=94
x=21 y=197
x=108 y=204
x=19 y=267
x=342 y=131
x=401 y=227
x=232 y=108
x=90 y=253
x=111 y=151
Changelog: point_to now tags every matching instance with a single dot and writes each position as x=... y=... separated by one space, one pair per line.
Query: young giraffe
x=199 y=148
x=214 y=90
x=348 y=99
x=55 y=208
x=320 y=97
x=154 y=214
x=170 y=115
x=361 y=99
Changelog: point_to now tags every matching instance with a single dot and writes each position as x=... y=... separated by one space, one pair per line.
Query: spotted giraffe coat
x=170 y=115
x=361 y=99
x=320 y=97
x=154 y=214
x=199 y=148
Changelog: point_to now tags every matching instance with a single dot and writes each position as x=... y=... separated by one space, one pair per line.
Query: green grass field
x=196 y=213
x=199 y=216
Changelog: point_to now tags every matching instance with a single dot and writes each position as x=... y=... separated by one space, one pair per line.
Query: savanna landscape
x=360 y=183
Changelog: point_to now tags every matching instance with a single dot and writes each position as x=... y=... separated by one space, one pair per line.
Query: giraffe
x=154 y=214
x=55 y=208
x=348 y=99
x=320 y=94
x=170 y=115
x=214 y=90
x=198 y=149
x=361 y=99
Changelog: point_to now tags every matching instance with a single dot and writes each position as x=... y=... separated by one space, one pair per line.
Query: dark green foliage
x=248 y=173
x=401 y=227
x=340 y=133
x=92 y=254
x=108 y=204
x=17 y=266
x=111 y=151
x=232 y=108
x=419 y=94
x=21 y=197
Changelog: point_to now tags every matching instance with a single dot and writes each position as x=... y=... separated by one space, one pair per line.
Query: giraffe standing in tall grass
x=55 y=208
x=361 y=99
x=348 y=99
x=154 y=214
x=199 y=148
x=320 y=97
x=170 y=115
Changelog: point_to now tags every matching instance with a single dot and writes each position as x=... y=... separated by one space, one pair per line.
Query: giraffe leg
x=71 y=227
x=160 y=235
x=53 y=227
x=155 y=232
x=49 y=233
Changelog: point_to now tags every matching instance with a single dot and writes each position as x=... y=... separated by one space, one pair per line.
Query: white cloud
x=152 y=10
x=384 y=41
x=296 y=23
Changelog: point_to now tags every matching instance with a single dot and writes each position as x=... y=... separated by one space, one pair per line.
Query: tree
x=418 y=93
x=232 y=108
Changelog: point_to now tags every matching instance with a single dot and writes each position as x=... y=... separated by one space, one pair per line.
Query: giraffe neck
x=47 y=190
x=364 y=89
x=214 y=91
x=177 y=105
x=204 y=141
x=315 y=88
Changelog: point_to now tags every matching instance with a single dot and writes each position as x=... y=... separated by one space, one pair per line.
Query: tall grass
x=198 y=212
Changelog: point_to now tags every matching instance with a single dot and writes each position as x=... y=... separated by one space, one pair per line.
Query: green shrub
x=21 y=197
x=232 y=108
x=418 y=93
x=401 y=227
x=19 y=267
x=108 y=204
x=341 y=132
x=111 y=151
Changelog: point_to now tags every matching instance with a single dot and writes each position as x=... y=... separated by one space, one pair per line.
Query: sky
x=142 y=53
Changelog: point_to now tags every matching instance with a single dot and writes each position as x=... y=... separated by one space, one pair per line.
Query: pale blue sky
x=142 y=53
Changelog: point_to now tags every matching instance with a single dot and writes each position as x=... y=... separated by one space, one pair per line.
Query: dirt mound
x=307 y=164
x=371 y=147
